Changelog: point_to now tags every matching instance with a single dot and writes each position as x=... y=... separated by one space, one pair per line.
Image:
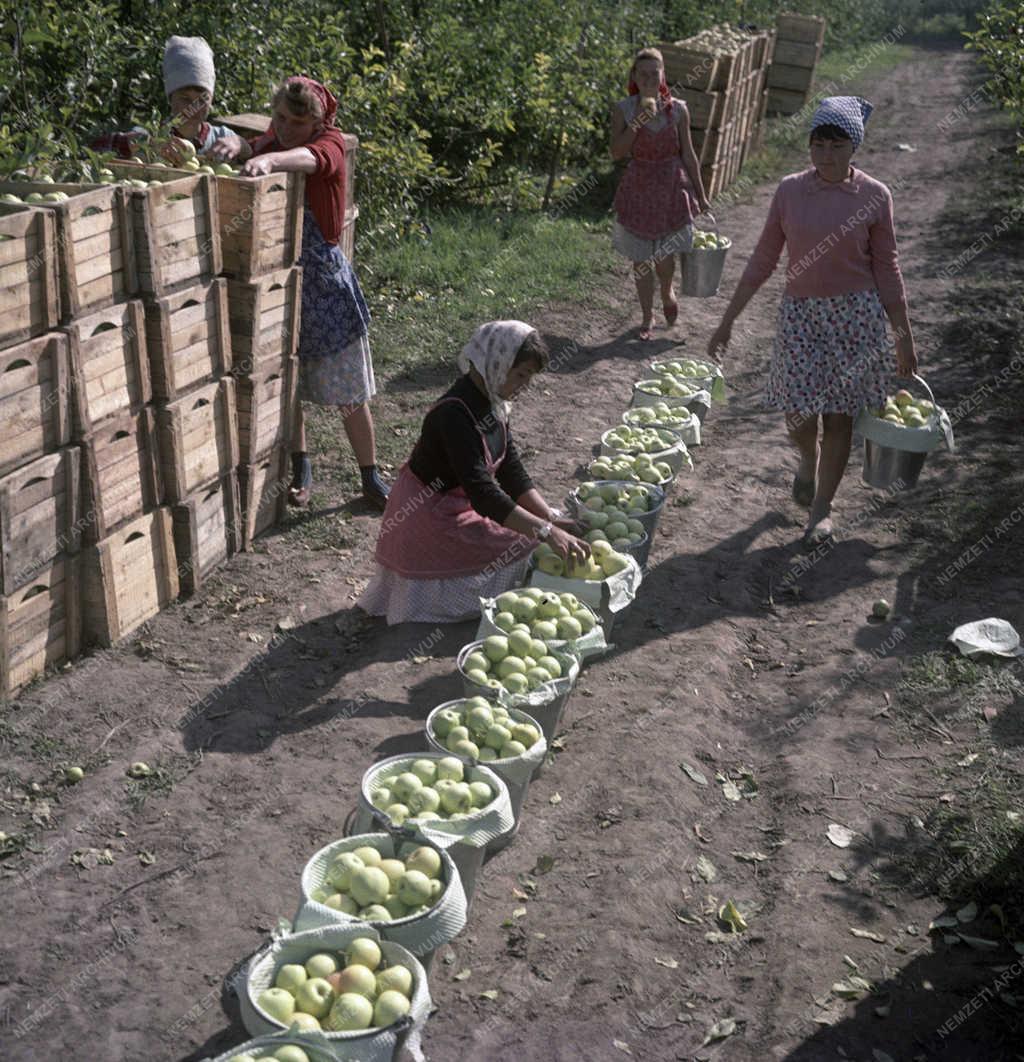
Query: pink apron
x=654 y=196
x=432 y=534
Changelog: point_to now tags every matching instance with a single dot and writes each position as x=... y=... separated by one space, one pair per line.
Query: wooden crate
x=198 y=437
x=260 y=222
x=207 y=530
x=95 y=253
x=803 y=29
x=790 y=78
x=122 y=474
x=109 y=365
x=782 y=101
x=35 y=407
x=263 y=485
x=264 y=316
x=40 y=624
x=40 y=506
x=347 y=242
x=189 y=338
x=792 y=53
x=687 y=68
x=266 y=409
x=29 y=277
x=128 y=577
x=708 y=143
x=705 y=108
x=175 y=227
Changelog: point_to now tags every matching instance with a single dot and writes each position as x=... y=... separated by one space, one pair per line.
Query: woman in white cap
x=831 y=353
x=464 y=515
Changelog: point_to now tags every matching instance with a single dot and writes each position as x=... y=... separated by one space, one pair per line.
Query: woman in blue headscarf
x=831 y=354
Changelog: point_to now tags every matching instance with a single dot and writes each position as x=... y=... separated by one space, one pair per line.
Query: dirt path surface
x=131 y=906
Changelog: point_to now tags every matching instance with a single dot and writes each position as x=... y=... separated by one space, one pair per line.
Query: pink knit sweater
x=840 y=238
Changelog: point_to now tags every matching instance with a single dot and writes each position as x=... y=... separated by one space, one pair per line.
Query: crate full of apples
x=518 y=668
x=607 y=580
x=619 y=500
x=532 y=611
x=660 y=444
x=661 y=415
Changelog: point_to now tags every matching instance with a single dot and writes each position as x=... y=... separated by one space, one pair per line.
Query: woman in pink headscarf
x=661 y=191
x=334 y=353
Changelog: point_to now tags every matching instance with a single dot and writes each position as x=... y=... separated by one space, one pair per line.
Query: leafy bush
x=999 y=41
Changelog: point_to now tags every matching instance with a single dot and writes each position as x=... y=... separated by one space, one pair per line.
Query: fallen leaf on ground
x=698 y=776
x=621 y=1045
x=462 y=975
x=968 y=759
x=706 y=869
x=555 y=798
x=719 y=1031
x=731 y=791
x=519 y=912
x=853 y=987
x=840 y=836
x=838 y=875
x=867 y=934
x=491 y=993
x=147 y=859
x=750 y=857
x=669 y=964
x=729 y=914
x=686 y=917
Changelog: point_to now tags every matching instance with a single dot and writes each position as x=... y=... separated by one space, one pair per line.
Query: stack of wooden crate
x=797 y=51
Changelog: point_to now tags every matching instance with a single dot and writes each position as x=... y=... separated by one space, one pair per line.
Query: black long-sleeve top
x=450 y=450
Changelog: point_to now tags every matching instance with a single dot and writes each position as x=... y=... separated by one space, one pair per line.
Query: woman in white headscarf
x=831 y=354
x=464 y=516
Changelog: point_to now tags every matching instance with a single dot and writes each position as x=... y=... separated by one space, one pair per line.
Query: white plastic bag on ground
x=994 y=636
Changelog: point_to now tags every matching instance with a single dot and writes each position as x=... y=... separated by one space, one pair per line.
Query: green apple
x=512 y=665
x=569 y=629
x=903 y=398
x=305 y=1022
x=290 y=1053
x=511 y=749
x=477 y=677
x=395 y=868
x=224 y=169
x=382 y=797
x=350 y=1013
x=425 y=799
x=343 y=865
x=370 y=856
x=457 y=798
x=504 y=621
x=524 y=609
x=426 y=860
x=395 y=908
x=497 y=735
x=518 y=643
x=395 y=979
x=356 y=978
x=465 y=747
x=339 y=901
x=376 y=912
x=881 y=608
x=405 y=785
x=364 y=951
x=291 y=977
x=320 y=965
x=369 y=885
x=187 y=150
x=390 y=1006
x=277 y=1003
x=495 y=647
x=414 y=888
x=7 y=197
x=551 y=564
x=479 y=717
x=537 y=676
x=73 y=775
x=516 y=683
x=457 y=733
x=425 y=770
x=481 y=794
x=397 y=813
x=190 y=164
x=506 y=601
x=443 y=722
x=525 y=733
x=449 y=769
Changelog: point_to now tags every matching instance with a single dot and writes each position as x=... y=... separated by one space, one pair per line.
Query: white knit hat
x=188 y=61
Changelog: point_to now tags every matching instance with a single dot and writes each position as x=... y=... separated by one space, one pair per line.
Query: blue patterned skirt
x=335 y=368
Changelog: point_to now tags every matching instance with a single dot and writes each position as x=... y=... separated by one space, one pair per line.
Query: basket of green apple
x=661 y=415
x=418 y=902
x=899 y=436
x=528 y=607
x=706 y=374
x=291 y=1046
x=368 y=997
x=619 y=499
x=512 y=670
x=702 y=266
x=508 y=740
x=461 y=809
x=660 y=444
x=623 y=533
x=639 y=467
x=675 y=392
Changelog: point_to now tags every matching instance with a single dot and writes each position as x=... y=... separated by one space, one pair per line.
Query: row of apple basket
x=346 y=978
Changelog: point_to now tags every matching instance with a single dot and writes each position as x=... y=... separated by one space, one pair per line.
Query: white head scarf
x=491 y=351
x=850 y=113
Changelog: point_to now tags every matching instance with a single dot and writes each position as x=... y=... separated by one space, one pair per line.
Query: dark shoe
x=301 y=488
x=375 y=490
x=377 y=499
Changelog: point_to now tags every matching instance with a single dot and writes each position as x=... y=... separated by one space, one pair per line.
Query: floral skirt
x=342 y=379
x=640 y=249
x=830 y=355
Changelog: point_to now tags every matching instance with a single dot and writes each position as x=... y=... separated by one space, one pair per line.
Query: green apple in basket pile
x=430 y=790
x=287 y=1053
x=661 y=413
x=905 y=411
x=688 y=367
x=602 y=562
x=492 y=733
x=669 y=386
x=361 y=882
x=521 y=660
x=339 y=991
x=545 y=616
x=611 y=522
x=709 y=241
x=641 y=467
x=629 y=439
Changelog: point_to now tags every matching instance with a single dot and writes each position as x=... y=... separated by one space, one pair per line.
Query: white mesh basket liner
x=714 y=382
x=689 y=431
x=315 y=1044
x=648 y=519
x=937 y=429
x=675 y=455
x=664 y=484
x=643 y=395
x=370 y=1045
x=615 y=592
x=517 y=769
x=593 y=643
x=419 y=933
x=477 y=830
x=543 y=694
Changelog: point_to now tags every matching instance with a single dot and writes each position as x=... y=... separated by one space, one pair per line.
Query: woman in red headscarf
x=661 y=191
x=334 y=353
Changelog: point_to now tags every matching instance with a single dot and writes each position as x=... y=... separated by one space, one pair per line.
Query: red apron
x=432 y=534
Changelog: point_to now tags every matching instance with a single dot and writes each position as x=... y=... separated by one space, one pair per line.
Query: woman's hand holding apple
x=566 y=545
x=228 y=148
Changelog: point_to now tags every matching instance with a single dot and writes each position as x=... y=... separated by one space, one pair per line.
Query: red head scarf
x=666 y=97
x=327 y=101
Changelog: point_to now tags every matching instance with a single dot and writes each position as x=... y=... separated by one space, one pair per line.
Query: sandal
x=803 y=491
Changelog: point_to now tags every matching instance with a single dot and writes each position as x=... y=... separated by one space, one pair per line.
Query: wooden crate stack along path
x=797 y=51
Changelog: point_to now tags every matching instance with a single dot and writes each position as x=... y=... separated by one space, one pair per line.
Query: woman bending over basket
x=831 y=354
x=655 y=200
x=464 y=516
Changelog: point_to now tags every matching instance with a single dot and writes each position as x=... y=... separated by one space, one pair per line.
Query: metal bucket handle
x=714 y=222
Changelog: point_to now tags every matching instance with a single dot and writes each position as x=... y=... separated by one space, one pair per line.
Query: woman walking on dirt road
x=831 y=354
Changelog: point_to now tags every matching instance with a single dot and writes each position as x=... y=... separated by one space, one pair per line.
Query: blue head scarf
x=848 y=112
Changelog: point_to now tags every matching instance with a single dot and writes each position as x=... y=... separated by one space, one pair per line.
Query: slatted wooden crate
x=189 y=338
x=95 y=253
x=35 y=404
x=109 y=365
x=708 y=142
x=40 y=508
x=29 y=277
x=785 y=101
x=128 y=578
x=121 y=474
x=207 y=530
x=264 y=315
x=802 y=29
x=260 y=222
x=198 y=438
x=40 y=624
x=686 y=68
x=175 y=226
x=264 y=493
x=793 y=53
x=791 y=78
x=705 y=108
x=266 y=409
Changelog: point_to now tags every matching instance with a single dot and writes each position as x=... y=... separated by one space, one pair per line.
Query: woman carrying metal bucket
x=655 y=200
x=831 y=353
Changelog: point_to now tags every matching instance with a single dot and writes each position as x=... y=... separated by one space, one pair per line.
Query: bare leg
x=836 y=438
x=643 y=274
x=359 y=428
x=803 y=433
x=666 y=268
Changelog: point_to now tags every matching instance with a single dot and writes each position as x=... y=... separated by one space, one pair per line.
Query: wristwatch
x=543 y=531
